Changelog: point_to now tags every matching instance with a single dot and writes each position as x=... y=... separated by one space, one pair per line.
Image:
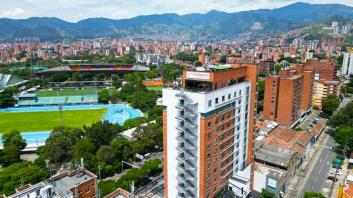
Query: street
x=314 y=170
x=321 y=168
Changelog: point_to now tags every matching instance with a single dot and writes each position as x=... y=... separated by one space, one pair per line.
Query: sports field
x=67 y=92
x=47 y=120
x=155 y=88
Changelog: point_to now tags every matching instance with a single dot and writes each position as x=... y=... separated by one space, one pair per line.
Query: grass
x=156 y=88
x=45 y=121
x=67 y=92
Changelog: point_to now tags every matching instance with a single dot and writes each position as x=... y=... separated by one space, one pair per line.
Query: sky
x=75 y=10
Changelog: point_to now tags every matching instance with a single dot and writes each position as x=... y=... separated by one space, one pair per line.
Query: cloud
x=12 y=13
x=75 y=10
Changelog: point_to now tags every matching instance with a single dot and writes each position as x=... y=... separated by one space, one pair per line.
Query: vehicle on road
x=332 y=178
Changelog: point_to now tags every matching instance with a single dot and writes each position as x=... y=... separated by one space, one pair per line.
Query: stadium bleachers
x=41 y=101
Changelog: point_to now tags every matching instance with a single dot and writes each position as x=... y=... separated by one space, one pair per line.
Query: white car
x=335 y=171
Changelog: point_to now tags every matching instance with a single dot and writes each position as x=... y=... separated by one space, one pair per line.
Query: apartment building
x=75 y=184
x=323 y=69
x=347 y=66
x=322 y=89
x=283 y=95
x=208 y=127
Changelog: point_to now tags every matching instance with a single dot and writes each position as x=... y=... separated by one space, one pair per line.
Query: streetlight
x=60 y=107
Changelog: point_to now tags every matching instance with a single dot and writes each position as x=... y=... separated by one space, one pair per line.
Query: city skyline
x=117 y=9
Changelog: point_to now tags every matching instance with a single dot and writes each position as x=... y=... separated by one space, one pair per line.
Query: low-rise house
x=278 y=156
x=75 y=184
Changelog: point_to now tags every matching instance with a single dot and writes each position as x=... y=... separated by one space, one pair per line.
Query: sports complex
x=38 y=112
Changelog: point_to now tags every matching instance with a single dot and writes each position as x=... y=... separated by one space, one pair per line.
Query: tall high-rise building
x=208 y=127
x=288 y=95
x=347 y=66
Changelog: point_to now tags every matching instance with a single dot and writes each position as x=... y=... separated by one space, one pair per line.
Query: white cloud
x=74 y=10
x=12 y=13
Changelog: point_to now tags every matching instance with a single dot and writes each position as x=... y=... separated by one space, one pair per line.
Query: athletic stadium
x=120 y=69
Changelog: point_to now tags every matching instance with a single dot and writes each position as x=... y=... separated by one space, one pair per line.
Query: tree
x=13 y=144
x=344 y=137
x=57 y=148
x=105 y=154
x=329 y=105
x=197 y=64
x=151 y=74
x=267 y=194
x=122 y=148
x=84 y=149
x=261 y=93
x=134 y=122
x=101 y=133
x=313 y=195
x=104 y=96
x=117 y=83
x=277 y=67
x=223 y=59
x=148 y=137
x=9 y=155
x=16 y=174
x=14 y=138
x=115 y=95
x=6 y=99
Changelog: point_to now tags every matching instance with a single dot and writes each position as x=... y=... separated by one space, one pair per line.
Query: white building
x=206 y=133
x=347 y=66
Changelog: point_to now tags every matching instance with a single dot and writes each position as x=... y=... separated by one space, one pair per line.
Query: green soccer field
x=45 y=121
x=67 y=92
x=156 y=88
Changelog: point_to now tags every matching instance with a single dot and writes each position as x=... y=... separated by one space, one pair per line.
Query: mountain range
x=212 y=25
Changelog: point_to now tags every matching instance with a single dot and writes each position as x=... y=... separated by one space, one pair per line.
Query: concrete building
x=323 y=69
x=208 y=128
x=282 y=100
x=278 y=156
x=288 y=95
x=76 y=184
x=322 y=89
x=347 y=66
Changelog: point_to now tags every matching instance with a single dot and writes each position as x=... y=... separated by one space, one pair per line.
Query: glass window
x=223 y=98
x=209 y=124
x=229 y=95
x=209 y=103
x=216 y=100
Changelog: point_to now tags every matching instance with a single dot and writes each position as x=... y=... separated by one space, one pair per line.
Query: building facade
x=75 y=184
x=208 y=132
x=323 y=69
x=322 y=89
x=347 y=66
x=283 y=96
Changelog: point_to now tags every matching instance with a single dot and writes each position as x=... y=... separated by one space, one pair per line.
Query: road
x=321 y=168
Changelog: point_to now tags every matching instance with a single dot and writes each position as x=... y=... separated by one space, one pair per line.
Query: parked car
x=332 y=178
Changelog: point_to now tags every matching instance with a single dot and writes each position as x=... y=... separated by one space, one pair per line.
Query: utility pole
x=60 y=107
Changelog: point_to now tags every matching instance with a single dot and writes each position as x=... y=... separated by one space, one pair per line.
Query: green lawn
x=156 y=88
x=67 y=92
x=44 y=121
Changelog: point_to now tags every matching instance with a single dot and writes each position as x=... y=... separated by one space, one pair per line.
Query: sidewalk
x=293 y=186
